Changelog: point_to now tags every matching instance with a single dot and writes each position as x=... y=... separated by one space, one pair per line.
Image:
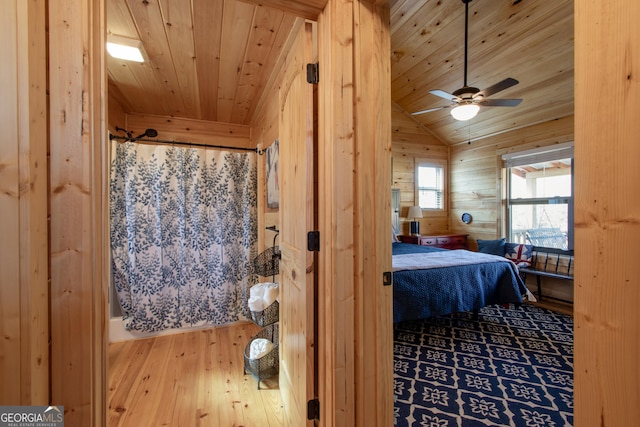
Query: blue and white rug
x=511 y=367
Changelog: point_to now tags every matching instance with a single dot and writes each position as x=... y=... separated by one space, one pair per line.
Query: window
x=539 y=197
x=429 y=185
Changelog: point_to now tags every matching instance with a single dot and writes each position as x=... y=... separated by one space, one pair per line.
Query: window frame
x=422 y=162
x=563 y=151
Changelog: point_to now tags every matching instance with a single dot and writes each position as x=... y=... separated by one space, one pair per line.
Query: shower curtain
x=183 y=234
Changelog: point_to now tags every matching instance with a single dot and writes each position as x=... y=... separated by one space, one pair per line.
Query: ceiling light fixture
x=125 y=48
x=464 y=112
x=466 y=100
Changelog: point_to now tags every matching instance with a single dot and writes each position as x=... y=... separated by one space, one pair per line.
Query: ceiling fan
x=467 y=100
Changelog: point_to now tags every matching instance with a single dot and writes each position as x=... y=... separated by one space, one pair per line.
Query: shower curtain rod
x=190 y=144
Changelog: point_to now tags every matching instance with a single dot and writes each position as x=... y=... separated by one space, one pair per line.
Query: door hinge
x=313 y=73
x=313 y=409
x=313 y=241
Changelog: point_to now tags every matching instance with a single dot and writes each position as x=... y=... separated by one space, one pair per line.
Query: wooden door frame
x=297 y=200
x=78 y=210
x=24 y=272
x=85 y=136
x=355 y=308
x=355 y=339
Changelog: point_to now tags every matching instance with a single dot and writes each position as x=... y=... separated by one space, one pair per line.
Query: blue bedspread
x=419 y=294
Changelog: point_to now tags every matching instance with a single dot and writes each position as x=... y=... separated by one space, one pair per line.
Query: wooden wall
x=607 y=323
x=77 y=200
x=116 y=115
x=264 y=130
x=24 y=293
x=607 y=232
x=355 y=337
x=410 y=140
x=476 y=179
x=476 y=186
x=191 y=130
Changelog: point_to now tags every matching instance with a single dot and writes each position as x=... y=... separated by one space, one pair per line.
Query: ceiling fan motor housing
x=466 y=92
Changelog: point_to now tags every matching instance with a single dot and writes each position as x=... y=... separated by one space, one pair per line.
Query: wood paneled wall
x=24 y=293
x=355 y=314
x=77 y=199
x=607 y=323
x=476 y=178
x=116 y=116
x=412 y=141
x=607 y=232
x=191 y=130
x=264 y=130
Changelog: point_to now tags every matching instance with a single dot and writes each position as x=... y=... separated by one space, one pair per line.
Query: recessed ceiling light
x=125 y=48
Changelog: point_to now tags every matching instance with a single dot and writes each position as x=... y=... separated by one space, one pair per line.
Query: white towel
x=260 y=347
x=256 y=304
x=257 y=290
x=266 y=292
x=271 y=294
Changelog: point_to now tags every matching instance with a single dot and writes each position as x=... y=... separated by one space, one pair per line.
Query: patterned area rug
x=511 y=367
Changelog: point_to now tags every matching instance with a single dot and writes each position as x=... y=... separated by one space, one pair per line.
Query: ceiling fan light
x=465 y=111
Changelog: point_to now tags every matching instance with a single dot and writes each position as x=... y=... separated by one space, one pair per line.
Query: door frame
x=355 y=306
x=297 y=175
x=355 y=340
x=84 y=26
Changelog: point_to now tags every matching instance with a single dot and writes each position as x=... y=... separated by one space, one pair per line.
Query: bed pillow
x=394 y=234
x=519 y=253
x=493 y=247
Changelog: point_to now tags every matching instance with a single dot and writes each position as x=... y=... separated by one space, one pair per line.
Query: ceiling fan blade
x=443 y=94
x=500 y=102
x=430 y=110
x=500 y=86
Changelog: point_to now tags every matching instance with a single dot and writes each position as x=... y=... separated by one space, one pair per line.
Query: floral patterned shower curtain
x=183 y=234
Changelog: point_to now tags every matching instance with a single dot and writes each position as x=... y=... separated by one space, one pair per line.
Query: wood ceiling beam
x=308 y=9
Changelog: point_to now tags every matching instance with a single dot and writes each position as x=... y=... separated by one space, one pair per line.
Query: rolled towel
x=256 y=304
x=271 y=294
x=260 y=347
x=257 y=290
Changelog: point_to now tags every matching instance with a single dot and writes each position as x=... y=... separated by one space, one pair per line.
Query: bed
x=431 y=281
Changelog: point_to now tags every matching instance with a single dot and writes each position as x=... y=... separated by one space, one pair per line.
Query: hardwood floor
x=196 y=379
x=190 y=379
x=560 y=307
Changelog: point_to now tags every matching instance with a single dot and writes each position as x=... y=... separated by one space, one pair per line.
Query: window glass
x=548 y=179
x=541 y=225
x=430 y=186
x=540 y=203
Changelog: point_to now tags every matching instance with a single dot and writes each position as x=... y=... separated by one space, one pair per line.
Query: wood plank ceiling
x=212 y=59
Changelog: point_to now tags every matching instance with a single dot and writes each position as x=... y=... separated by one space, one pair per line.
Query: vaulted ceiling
x=212 y=59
